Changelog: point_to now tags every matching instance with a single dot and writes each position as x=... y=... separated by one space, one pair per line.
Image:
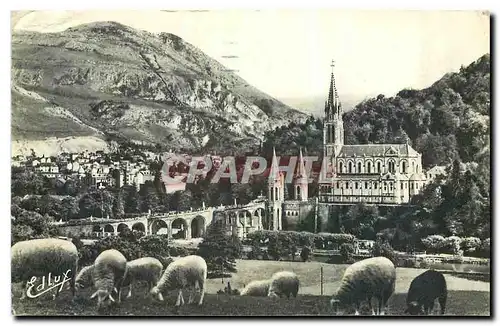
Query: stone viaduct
x=241 y=219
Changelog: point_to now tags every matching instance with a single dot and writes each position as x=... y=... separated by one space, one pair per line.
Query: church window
x=401 y=186
x=379 y=167
x=369 y=167
x=347 y=185
x=413 y=166
x=403 y=167
x=385 y=186
x=341 y=167
x=416 y=186
x=350 y=167
x=391 y=167
x=356 y=185
x=359 y=167
x=411 y=186
x=376 y=185
x=366 y=185
x=338 y=185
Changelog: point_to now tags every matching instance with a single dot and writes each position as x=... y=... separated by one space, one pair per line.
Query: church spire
x=333 y=97
x=301 y=173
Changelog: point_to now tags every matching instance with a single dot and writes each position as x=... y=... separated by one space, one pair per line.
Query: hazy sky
x=287 y=53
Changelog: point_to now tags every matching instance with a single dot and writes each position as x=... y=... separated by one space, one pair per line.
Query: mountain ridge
x=97 y=78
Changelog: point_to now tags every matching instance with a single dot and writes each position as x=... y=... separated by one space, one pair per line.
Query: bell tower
x=333 y=125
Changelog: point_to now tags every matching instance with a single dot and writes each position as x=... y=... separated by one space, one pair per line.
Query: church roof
x=377 y=150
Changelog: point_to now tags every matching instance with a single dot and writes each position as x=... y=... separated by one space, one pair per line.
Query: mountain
x=105 y=81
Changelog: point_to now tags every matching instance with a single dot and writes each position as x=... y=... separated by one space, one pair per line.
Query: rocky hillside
x=110 y=81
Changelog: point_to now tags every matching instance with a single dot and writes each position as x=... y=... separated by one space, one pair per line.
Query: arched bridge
x=241 y=219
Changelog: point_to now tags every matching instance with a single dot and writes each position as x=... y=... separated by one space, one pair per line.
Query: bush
x=452 y=245
x=347 y=251
x=305 y=253
x=471 y=244
x=384 y=249
x=434 y=243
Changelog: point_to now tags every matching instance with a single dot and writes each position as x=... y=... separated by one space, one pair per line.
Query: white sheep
x=185 y=272
x=284 y=283
x=84 y=278
x=39 y=257
x=258 y=288
x=110 y=269
x=366 y=279
x=143 y=269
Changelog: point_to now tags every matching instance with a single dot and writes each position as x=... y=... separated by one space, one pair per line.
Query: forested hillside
x=449 y=123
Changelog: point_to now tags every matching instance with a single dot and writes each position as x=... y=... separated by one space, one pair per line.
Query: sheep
x=184 y=272
x=143 y=269
x=424 y=290
x=284 y=283
x=363 y=280
x=39 y=257
x=110 y=269
x=258 y=288
x=84 y=278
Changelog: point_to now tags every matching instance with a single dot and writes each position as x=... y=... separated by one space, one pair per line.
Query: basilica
x=379 y=174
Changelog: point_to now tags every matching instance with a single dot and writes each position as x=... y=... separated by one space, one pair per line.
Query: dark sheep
x=424 y=290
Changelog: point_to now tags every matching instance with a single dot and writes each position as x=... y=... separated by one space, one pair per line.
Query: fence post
x=321 y=279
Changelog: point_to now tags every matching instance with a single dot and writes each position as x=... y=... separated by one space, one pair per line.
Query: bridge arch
x=159 y=227
x=122 y=227
x=139 y=226
x=109 y=228
x=180 y=226
x=198 y=227
x=97 y=228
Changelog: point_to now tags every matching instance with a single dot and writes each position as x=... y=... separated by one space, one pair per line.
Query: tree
x=220 y=250
x=132 y=200
x=149 y=198
x=69 y=208
x=347 y=251
x=383 y=249
x=118 y=205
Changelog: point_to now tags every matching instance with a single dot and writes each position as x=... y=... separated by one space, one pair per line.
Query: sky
x=288 y=53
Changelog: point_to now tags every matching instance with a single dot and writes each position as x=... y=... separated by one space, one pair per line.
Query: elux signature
x=47 y=284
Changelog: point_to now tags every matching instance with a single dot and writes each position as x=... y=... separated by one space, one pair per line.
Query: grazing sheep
x=363 y=280
x=189 y=271
x=423 y=292
x=143 y=269
x=284 y=283
x=259 y=288
x=84 y=278
x=40 y=257
x=110 y=269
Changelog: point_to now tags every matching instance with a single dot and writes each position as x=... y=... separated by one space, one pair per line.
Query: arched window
x=403 y=167
x=379 y=167
x=413 y=166
x=391 y=167
x=369 y=167
x=349 y=167
x=359 y=167
x=341 y=167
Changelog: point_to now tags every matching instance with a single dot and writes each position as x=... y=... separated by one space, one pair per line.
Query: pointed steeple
x=274 y=166
x=333 y=97
x=301 y=172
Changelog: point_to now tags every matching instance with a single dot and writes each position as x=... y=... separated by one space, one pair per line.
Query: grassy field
x=465 y=297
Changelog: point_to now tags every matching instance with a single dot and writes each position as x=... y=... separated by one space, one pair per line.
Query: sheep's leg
x=178 y=302
x=191 y=296
x=356 y=312
x=129 y=290
x=371 y=306
x=160 y=296
x=182 y=299
x=201 y=284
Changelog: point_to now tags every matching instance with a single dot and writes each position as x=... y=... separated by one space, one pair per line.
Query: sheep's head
x=273 y=294
x=155 y=291
x=338 y=307
x=414 y=308
x=104 y=298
